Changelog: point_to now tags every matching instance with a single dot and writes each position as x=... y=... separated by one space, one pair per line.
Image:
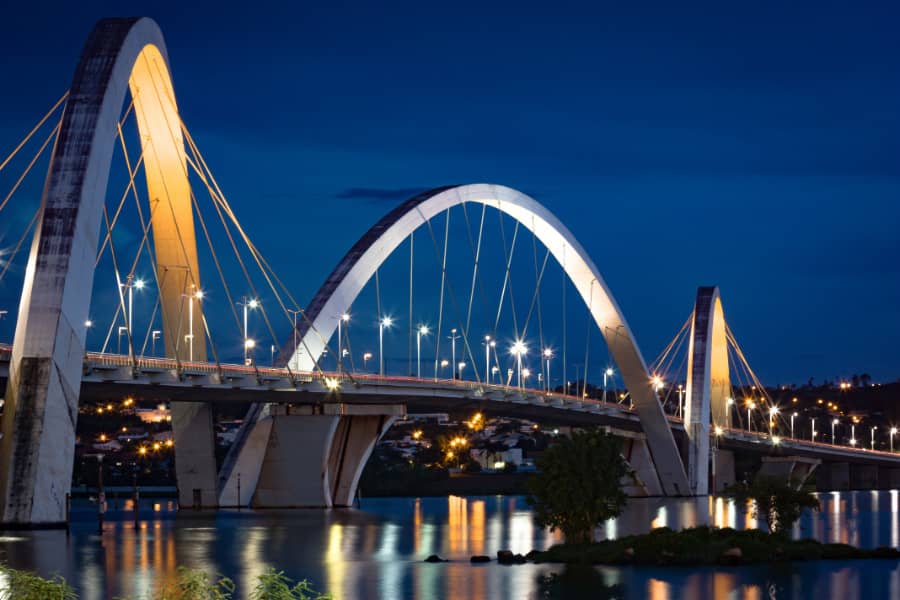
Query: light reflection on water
x=378 y=552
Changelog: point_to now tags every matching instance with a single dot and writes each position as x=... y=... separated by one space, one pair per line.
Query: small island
x=578 y=487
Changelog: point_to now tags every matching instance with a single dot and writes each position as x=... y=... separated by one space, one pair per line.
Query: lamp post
x=444 y=364
x=874 y=427
x=792 y=425
x=548 y=354
x=518 y=349
x=893 y=432
x=294 y=314
x=853 y=435
x=154 y=335
x=423 y=330
x=198 y=296
x=488 y=344
x=526 y=373
x=750 y=407
x=366 y=357
x=345 y=318
x=680 y=399
x=453 y=337
x=246 y=303
x=606 y=374
x=384 y=323
x=123 y=330
x=249 y=345
x=495 y=371
x=728 y=402
x=460 y=367
x=273 y=351
x=773 y=411
x=813 y=436
x=130 y=285
x=834 y=422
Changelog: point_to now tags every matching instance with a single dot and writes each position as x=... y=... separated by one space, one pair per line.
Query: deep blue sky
x=753 y=146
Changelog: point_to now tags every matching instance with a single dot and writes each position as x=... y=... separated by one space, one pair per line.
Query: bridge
x=309 y=428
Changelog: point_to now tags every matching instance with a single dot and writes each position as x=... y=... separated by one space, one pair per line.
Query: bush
x=193 y=584
x=22 y=585
x=578 y=484
x=778 y=502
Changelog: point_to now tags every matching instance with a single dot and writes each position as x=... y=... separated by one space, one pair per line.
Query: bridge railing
x=764 y=435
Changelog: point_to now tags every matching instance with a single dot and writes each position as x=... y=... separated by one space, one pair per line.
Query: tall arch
x=41 y=407
x=347 y=280
x=708 y=383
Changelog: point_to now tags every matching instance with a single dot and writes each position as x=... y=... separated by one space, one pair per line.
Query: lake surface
x=377 y=552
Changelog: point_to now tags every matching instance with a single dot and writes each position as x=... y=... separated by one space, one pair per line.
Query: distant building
x=496 y=460
x=160 y=414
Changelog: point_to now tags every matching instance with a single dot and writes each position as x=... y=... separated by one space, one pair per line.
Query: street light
x=384 y=323
x=548 y=354
x=366 y=357
x=247 y=303
x=728 y=402
x=834 y=422
x=294 y=314
x=773 y=411
x=444 y=364
x=526 y=373
x=518 y=350
x=874 y=427
x=423 y=330
x=853 y=434
x=345 y=318
x=488 y=344
x=893 y=433
x=658 y=383
x=461 y=366
x=198 y=296
x=249 y=345
x=792 y=425
x=813 y=436
x=750 y=406
x=606 y=374
x=154 y=335
x=680 y=399
x=453 y=337
x=123 y=329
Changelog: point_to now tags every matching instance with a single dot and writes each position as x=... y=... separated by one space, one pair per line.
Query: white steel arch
x=708 y=383
x=359 y=265
x=41 y=407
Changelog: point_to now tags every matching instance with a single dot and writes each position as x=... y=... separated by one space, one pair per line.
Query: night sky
x=753 y=146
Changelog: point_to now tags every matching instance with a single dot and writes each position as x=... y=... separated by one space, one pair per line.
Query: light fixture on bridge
x=250 y=344
x=718 y=430
x=657 y=382
x=88 y=323
x=776 y=440
x=253 y=303
x=332 y=383
x=384 y=323
x=345 y=317
x=198 y=294
x=519 y=349
x=893 y=432
x=139 y=284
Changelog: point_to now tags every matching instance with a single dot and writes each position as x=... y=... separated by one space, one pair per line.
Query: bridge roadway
x=109 y=377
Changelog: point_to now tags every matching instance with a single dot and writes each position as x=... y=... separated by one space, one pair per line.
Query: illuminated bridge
x=491 y=323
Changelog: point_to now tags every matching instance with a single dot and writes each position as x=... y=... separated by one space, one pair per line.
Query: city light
x=332 y=384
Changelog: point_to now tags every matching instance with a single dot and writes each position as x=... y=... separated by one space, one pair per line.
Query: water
x=377 y=552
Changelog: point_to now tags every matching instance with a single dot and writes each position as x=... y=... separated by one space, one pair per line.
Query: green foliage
x=194 y=584
x=578 y=484
x=21 y=585
x=705 y=546
x=776 y=501
x=275 y=585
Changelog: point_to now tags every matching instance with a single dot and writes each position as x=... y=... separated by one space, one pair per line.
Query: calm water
x=377 y=552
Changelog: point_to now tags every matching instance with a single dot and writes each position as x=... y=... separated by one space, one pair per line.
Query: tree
x=778 y=502
x=578 y=484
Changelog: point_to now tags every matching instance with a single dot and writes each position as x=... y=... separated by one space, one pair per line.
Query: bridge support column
x=195 y=459
x=644 y=481
x=298 y=458
x=796 y=469
x=723 y=474
x=888 y=478
x=833 y=477
x=863 y=477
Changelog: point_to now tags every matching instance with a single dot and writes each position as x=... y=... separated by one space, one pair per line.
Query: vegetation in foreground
x=578 y=485
x=704 y=546
x=189 y=584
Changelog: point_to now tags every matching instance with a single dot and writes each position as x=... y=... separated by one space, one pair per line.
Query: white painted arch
x=359 y=265
x=36 y=454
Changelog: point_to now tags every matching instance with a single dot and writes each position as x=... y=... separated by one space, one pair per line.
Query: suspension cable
x=34 y=130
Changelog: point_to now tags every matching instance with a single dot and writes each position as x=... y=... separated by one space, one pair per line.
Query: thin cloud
x=378 y=195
